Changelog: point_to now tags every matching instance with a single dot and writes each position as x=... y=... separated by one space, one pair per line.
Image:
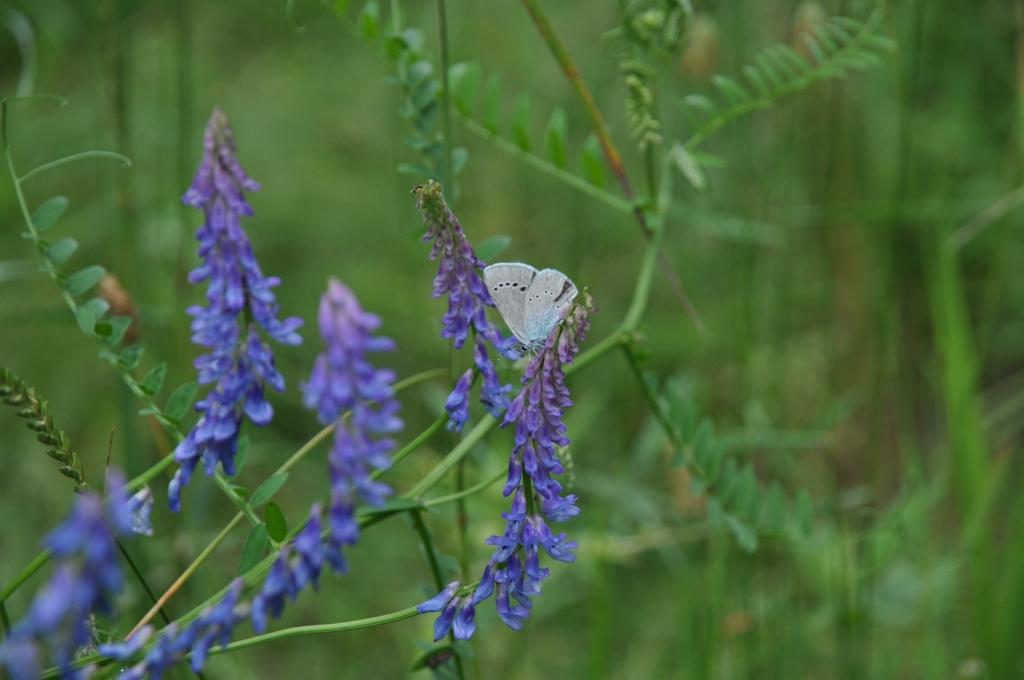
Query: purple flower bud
x=439 y=601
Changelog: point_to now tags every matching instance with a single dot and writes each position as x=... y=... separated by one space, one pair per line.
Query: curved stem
x=472 y=438
x=448 y=174
x=572 y=74
x=185 y=575
x=545 y=166
x=468 y=491
x=125 y=161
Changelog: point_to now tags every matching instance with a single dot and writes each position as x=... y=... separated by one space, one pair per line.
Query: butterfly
x=531 y=302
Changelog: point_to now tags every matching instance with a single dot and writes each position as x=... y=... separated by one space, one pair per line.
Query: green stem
x=472 y=438
x=611 y=153
x=206 y=552
x=125 y=162
x=401 y=454
x=435 y=570
x=671 y=432
x=142 y=579
x=545 y=166
x=465 y=493
x=642 y=289
x=5 y=622
x=604 y=136
x=446 y=113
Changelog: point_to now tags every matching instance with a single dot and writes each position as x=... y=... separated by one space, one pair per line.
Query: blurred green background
x=856 y=262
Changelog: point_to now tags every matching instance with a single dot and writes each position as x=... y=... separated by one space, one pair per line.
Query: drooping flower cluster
x=458 y=278
x=514 y=572
x=298 y=565
x=86 y=579
x=239 y=300
x=211 y=628
x=343 y=380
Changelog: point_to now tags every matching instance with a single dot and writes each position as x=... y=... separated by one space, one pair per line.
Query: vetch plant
x=356 y=401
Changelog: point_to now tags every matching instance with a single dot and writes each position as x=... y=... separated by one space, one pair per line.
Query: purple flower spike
x=514 y=573
x=344 y=380
x=459 y=279
x=240 y=299
x=85 y=580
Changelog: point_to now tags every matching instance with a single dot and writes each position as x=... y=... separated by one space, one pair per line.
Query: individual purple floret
x=240 y=299
x=514 y=572
x=458 y=278
x=344 y=380
x=85 y=580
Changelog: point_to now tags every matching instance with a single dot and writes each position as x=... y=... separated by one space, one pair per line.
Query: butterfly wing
x=547 y=297
x=508 y=283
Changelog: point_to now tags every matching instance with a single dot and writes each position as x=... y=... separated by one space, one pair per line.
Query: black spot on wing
x=566 y=288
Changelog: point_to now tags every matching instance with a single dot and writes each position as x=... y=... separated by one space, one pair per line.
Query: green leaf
x=425 y=94
x=490 y=248
x=415 y=169
x=554 y=137
x=419 y=71
x=491 y=115
x=687 y=166
x=464 y=81
x=730 y=88
x=256 y=545
x=435 y=658
x=773 y=512
x=592 y=162
x=60 y=251
x=130 y=356
x=369 y=21
x=89 y=313
x=699 y=102
x=754 y=76
x=49 y=213
x=179 y=401
x=265 y=491
x=154 y=379
x=241 y=452
x=521 y=121
x=277 y=526
x=84 y=279
x=745 y=535
x=118 y=327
